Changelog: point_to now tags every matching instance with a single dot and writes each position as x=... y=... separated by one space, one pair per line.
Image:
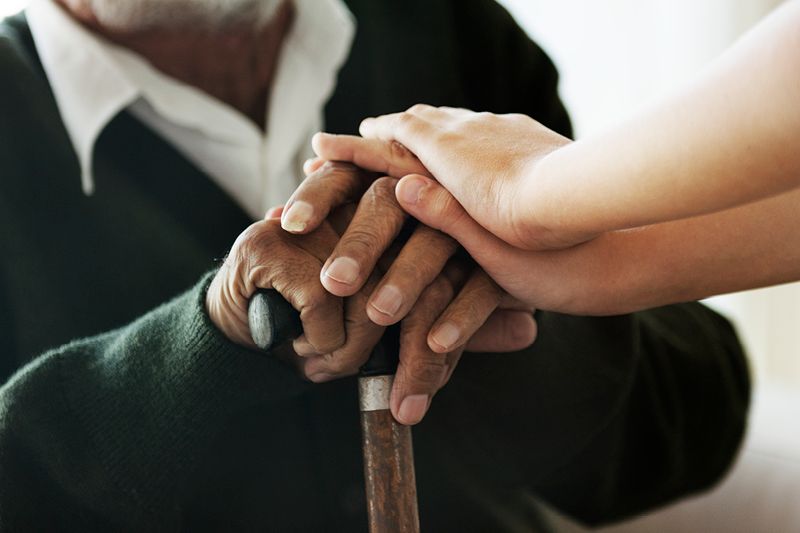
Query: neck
x=235 y=64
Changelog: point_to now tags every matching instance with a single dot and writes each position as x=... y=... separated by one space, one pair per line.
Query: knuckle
x=334 y=172
x=418 y=108
x=255 y=239
x=361 y=242
x=422 y=269
x=434 y=240
x=406 y=117
x=427 y=371
x=406 y=122
x=336 y=167
x=378 y=212
x=478 y=302
x=382 y=190
x=330 y=345
x=484 y=288
x=256 y=233
x=438 y=292
x=480 y=120
x=470 y=313
x=408 y=271
x=313 y=300
x=430 y=304
x=344 y=178
x=337 y=363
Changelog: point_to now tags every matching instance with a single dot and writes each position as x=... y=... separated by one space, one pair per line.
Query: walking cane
x=388 y=455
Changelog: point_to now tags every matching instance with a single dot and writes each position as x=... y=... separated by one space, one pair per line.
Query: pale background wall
x=614 y=55
x=8 y=7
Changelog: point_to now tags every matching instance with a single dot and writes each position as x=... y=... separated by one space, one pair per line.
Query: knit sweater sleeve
x=102 y=433
x=678 y=427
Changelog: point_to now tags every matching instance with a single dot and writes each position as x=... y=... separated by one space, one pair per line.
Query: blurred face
x=135 y=15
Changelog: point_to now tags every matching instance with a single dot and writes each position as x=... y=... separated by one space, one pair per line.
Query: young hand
x=492 y=164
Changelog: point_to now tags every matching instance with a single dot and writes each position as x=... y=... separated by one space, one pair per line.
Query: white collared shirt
x=93 y=80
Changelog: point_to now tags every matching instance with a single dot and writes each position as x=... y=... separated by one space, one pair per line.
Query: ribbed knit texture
x=152 y=421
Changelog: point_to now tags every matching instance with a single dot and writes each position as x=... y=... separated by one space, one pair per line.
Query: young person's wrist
x=545 y=214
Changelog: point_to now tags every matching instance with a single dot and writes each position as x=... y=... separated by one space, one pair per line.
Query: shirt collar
x=313 y=53
x=93 y=80
x=87 y=98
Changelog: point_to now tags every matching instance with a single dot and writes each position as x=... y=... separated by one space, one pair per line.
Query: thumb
x=433 y=205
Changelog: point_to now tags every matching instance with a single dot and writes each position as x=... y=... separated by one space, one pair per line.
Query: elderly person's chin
x=142 y=15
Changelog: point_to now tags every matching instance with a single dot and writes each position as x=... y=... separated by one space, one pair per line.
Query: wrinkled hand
x=445 y=302
x=494 y=165
x=338 y=335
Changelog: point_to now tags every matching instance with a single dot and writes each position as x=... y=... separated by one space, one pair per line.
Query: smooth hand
x=494 y=165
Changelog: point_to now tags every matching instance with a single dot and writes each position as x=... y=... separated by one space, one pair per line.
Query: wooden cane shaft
x=389 y=474
x=391 y=486
x=390 y=481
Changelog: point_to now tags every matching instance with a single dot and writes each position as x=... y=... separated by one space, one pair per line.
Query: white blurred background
x=8 y=7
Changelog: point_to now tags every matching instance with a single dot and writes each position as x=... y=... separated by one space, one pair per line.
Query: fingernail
x=409 y=189
x=446 y=335
x=388 y=300
x=413 y=408
x=344 y=270
x=297 y=217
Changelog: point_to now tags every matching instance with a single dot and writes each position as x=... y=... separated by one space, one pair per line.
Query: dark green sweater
x=152 y=421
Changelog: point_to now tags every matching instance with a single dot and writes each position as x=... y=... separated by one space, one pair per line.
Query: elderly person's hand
x=338 y=334
x=447 y=304
x=264 y=257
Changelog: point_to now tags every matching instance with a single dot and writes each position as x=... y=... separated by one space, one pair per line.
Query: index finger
x=376 y=224
x=415 y=128
x=386 y=157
